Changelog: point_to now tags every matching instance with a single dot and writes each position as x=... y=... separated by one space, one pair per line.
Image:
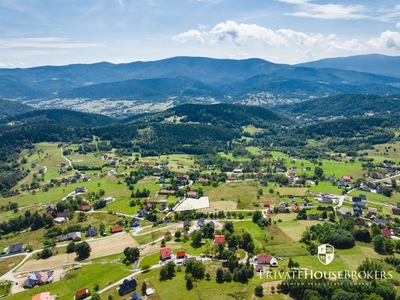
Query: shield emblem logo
x=326 y=253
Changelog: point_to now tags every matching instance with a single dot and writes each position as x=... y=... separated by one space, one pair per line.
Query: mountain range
x=156 y=85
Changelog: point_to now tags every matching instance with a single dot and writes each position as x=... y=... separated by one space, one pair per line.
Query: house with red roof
x=219 y=239
x=265 y=259
x=81 y=294
x=149 y=205
x=180 y=254
x=231 y=178
x=167 y=192
x=267 y=203
x=181 y=177
x=295 y=208
x=117 y=229
x=192 y=194
x=346 y=178
x=387 y=233
x=165 y=253
x=86 y=207
x=43 y=296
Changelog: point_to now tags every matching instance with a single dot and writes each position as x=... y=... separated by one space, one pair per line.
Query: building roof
x=264 y=259
x=346 y=177
x=116 y=229
x=165 y=253
x=91 y=232
x=192 y=193
x=219 y=239
x=180 y=253
x=85 y=207
x=372 y=210
x=386 y=233
x=16 y=247
x=43 y=296
x=167 y=192
x=267 y=203
x=127 y=286
x=81 y=292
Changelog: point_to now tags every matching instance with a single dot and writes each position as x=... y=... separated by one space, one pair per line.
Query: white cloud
x=346 y=46
x=245 y=35
x=389 y=39
x=231 y=31
x=202 y=27
x=326 y=11
x=398 y=25
x=190 y=35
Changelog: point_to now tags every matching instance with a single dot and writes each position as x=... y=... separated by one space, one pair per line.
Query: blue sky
x=60 y=32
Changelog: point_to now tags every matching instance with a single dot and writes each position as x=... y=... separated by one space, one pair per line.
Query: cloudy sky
x=59 y=32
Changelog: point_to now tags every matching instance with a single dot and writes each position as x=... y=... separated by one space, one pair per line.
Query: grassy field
x=326 y=187
x=176 y=162
x=297 y=192
x=100 y=271
x=243 y=193
x=7 y=263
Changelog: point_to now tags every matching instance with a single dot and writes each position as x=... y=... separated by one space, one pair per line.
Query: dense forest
x=189 y=129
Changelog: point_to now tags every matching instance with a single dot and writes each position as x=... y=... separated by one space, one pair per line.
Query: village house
x=165 y=253
x=38 y=279
x=82 y=294
x=116 y=229
x=396 y=211
x=372 y=210
x=265 y=259
x=91 y=232
x=75 y=236
x=192 y=194
x=43 y=296
x=180 y=254
x=16 y=248
x=313 y=217
x=326 y=199
x=267 y=203
x=127 y=286
x=387 y=233
x=219 y=239
x=85 y=207
x=135 y=222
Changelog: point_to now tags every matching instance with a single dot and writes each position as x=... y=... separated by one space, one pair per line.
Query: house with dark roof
x=135 y=222
x=165 y=253
x=186 y=223
x=326 y=199
x=135 y=296
x=116 y=229
x=200 y=222
x=359 y=223
x=381 y=222
x=127 y=286
x=16 y=248
x=356 y=199
x=219 y=239
x=38 y=279
x=344 y=216
x=396 y=211
x=259 y=268
x=313 y=217
x=363 y=197
x=142 y=212
x=212 y=223
x=92 y=232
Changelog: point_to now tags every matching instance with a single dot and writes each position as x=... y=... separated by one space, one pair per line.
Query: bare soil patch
x=221 y=205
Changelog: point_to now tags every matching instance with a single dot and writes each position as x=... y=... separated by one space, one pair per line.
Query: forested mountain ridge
x=170 y=82
x=59 y=116
x=12 y=108
x=343 y=106
x=370 y=63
